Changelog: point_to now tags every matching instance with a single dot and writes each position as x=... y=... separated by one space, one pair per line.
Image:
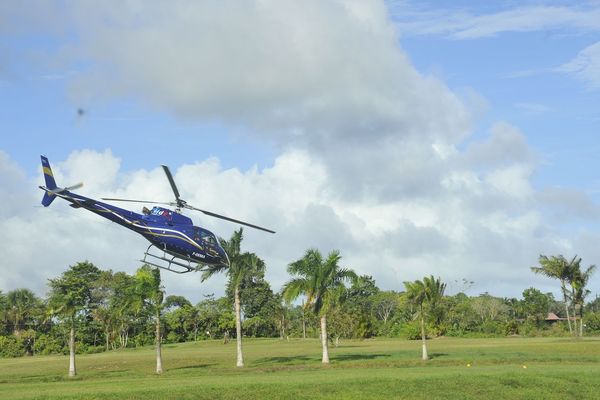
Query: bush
x=511 y=328
x=411 y=330
x=591 y=323
x=95 y=349
x=11 y=347
x=173 y=337
x=493 y=328
x=528 y=328
x=46 y=344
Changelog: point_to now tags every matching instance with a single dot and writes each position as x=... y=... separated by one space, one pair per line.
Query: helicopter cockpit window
x=208 y=238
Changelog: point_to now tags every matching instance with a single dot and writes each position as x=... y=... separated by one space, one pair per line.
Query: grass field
x=275 y=369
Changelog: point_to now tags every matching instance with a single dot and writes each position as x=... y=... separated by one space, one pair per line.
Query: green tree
x=536 y=304
x=421 y=292
x=3 y=313
x=579 y=291
x=123 y=311
x=385 y=304
x=241 y=265
x=150 y=294
x=71 y=294
x=557 y=267
x=176 y=301
x=358 y=303
x=21 y=305
x=209 y=315
x=322 y=282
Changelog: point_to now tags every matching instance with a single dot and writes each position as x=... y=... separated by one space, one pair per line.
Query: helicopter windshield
x=205 y=236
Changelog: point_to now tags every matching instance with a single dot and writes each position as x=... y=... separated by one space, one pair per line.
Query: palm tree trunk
x=325 y=359
x=564 y=290
x=72 y=369
x=303 y=322
x=423 y=336
x=238 y=328
x=580 y=312
x=159 y=368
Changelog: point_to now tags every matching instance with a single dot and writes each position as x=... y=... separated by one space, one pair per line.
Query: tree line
x=89 y=310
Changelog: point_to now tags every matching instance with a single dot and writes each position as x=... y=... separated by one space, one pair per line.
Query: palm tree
x=427 y=291
x=241 y=267
x=150 y=293
x=322 y=282
x=557 y=267
x=579 y=281
x=71 y=294
x=3 y=311
x=20 y=305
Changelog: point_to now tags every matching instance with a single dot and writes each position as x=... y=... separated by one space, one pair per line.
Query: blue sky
x=516 y=73
x=459 y=139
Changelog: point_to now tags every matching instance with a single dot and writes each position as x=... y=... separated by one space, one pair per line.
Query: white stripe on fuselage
x=134 y=223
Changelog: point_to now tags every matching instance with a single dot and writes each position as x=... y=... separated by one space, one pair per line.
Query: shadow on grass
x=196 y=366
x=356 y=357
x=437 y=355
x=284 y=360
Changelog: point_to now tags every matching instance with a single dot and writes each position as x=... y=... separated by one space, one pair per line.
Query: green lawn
x=276 y=369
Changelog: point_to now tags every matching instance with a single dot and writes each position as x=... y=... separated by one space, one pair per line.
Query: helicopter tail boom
x=50 y=183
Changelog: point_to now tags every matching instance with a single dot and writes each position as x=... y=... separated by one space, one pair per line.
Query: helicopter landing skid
x=170 y=262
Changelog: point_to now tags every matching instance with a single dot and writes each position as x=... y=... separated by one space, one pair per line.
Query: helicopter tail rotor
x=51 y=188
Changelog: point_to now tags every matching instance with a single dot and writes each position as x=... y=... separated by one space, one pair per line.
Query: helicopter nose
x=224 y=258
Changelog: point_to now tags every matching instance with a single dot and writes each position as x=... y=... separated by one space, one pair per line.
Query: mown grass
x=276 y=369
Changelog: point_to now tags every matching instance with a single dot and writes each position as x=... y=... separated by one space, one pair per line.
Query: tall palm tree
x=579 y=292
x=557 y=267
x=150 y=293
x=3 y=311
x=322 y=282
x=421 y=292
x=241 y=267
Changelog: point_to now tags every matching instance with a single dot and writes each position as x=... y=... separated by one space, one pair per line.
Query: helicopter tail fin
x=50 y=183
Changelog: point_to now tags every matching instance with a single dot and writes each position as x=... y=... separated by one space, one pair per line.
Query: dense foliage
x=110 y=310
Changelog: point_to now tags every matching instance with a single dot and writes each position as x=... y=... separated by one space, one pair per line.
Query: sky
x=416 y=137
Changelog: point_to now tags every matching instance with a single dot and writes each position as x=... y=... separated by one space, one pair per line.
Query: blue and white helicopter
x=182 y=247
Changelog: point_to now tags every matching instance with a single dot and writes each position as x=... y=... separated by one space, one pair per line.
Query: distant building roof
x=553 y=317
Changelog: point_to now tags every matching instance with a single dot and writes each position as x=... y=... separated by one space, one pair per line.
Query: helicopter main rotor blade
x=172 y=182
x=212 y=214
x=138 y=201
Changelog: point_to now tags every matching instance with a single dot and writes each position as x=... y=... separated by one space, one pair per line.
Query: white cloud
x=533 y=108
x=462 y=24
x=493 y=244
x=329 y=80
x=370 y=157
x=585 y=66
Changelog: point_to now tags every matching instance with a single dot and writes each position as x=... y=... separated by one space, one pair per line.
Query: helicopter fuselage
x=166 y=229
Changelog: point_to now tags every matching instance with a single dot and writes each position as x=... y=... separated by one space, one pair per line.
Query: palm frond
x=212 y=270
x=294 y=288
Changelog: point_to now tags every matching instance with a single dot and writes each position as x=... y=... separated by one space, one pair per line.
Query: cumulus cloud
x=375 y=158
x=325 y=77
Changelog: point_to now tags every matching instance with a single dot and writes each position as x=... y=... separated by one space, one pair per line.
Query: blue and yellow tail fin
x=50 y=182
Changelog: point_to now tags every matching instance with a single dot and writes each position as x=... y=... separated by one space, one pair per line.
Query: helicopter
x=176 y=244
